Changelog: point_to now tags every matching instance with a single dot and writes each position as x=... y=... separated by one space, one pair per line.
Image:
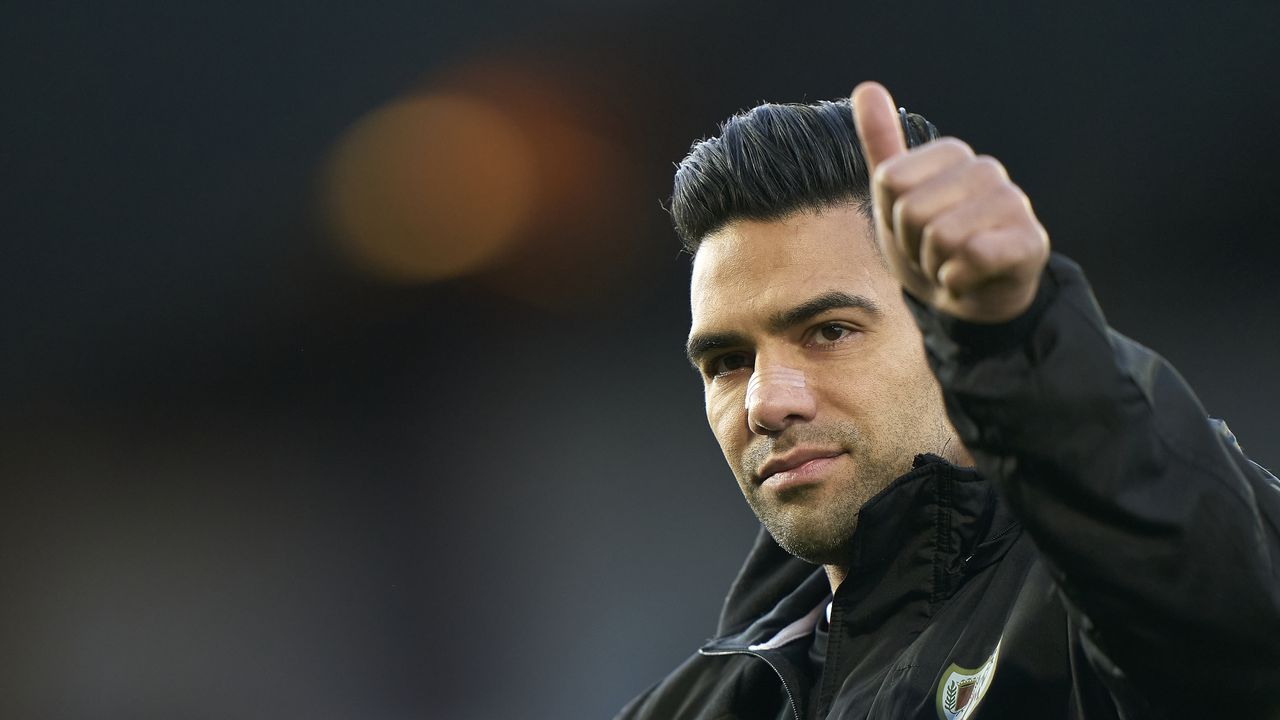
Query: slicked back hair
x=767 y=163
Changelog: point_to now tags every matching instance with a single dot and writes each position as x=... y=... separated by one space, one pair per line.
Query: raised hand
x=959 y=235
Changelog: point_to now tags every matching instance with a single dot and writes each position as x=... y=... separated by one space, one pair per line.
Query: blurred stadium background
x=341 y=372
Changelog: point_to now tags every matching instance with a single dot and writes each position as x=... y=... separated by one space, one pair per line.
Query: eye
x=727 y=363
x=831 y=334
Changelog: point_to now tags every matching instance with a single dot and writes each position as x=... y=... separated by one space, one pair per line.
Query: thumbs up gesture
x=958 y=234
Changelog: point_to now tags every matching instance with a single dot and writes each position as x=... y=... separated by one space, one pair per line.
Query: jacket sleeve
x=1163 y=538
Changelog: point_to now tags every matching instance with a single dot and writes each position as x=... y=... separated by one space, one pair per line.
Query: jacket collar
x=915 y=542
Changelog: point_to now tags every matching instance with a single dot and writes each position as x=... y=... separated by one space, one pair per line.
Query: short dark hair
x=769 y=162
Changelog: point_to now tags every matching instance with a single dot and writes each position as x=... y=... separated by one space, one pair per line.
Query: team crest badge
x=962 y=689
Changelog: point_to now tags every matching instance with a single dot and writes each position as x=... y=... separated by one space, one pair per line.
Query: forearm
x=1155 y=526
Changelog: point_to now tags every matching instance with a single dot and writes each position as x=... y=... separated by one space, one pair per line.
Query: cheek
x=876 y=387
x=910 y=390
x=726 y=415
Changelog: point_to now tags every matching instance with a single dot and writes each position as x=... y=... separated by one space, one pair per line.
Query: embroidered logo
x=962 y=689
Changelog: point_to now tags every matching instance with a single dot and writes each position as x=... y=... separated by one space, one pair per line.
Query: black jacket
x=1114 y=555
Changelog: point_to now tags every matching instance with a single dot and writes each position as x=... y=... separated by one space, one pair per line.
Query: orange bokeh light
x=430 y=187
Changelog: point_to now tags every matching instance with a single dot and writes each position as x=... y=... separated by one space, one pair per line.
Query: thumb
x=878 y=126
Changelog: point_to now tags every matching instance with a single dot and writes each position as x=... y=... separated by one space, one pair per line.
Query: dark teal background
x=239 y=479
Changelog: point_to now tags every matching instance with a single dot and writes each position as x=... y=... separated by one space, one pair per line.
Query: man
x=1018 y=513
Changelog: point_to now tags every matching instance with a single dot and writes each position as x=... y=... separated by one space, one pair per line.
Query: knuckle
x=1008 y=252
x=942 y=234
x=989 y=168
x=909 y=212
x=1033 y=244
x=983 y=255
x=1041 y=240
x=942 y=152
x=892 y=176
x=1011 y=197
x=953 y=146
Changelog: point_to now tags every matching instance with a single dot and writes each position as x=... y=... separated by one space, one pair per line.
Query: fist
x=957 y=233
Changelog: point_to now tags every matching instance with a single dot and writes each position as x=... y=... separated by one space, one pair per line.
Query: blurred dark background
x=341 y=364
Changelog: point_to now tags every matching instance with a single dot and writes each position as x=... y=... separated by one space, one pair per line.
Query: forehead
x=752 y=266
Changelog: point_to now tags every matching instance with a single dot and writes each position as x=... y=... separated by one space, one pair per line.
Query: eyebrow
x=809 y=309
x=702 y=343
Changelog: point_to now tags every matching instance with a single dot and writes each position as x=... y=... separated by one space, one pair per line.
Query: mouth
x=800 y=466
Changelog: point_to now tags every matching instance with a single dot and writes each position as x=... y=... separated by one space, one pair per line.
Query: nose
x=777 y=397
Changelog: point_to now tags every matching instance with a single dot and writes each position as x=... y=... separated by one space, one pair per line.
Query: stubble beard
x=811 y=522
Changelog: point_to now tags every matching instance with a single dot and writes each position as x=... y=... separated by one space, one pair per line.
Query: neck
x=954 y=452
x=836 y=575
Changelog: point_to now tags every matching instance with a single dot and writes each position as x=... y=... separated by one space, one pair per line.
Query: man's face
x=816 y=383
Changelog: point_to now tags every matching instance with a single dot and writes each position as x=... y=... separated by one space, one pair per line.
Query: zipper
x=791 y=698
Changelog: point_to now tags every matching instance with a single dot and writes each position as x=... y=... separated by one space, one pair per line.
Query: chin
x=824 y=542
x=814 y=554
